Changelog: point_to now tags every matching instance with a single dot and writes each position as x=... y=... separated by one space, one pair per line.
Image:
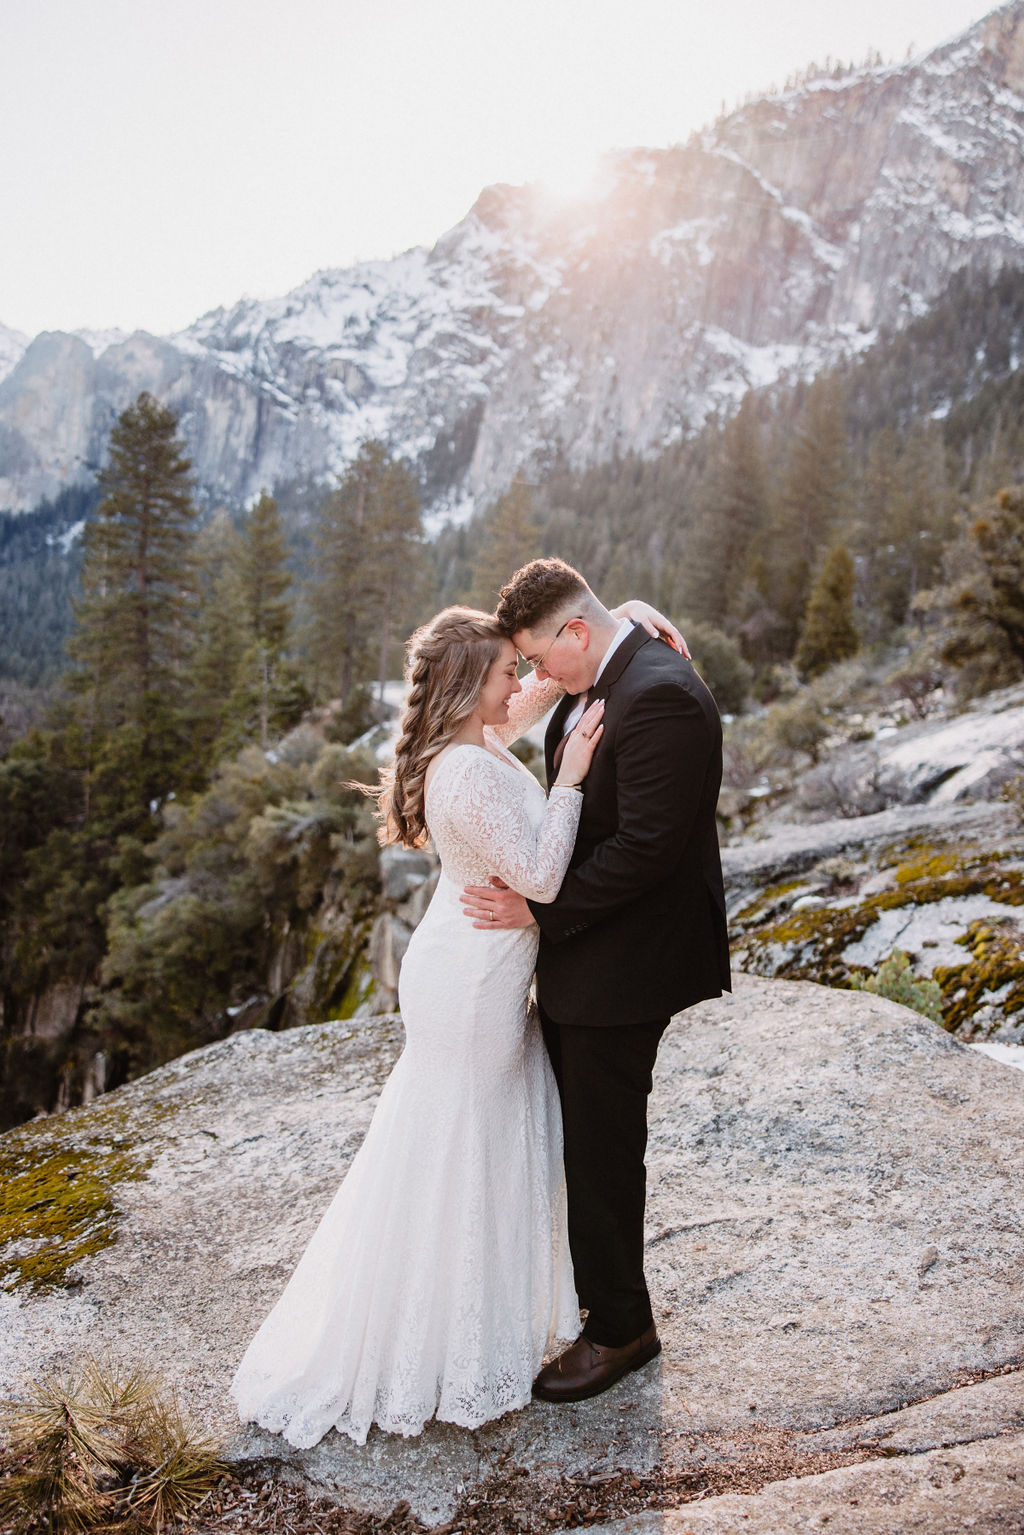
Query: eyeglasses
x=539 y=665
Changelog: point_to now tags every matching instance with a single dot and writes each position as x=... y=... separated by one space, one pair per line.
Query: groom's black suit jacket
x=637 y=930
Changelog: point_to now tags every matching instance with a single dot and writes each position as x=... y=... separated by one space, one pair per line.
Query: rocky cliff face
x=784 y=236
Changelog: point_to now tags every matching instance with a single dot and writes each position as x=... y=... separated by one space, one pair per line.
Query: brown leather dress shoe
x=587 y=1369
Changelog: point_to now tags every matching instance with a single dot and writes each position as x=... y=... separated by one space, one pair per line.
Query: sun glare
x=570 y=175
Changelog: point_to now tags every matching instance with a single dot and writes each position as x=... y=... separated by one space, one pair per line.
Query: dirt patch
x=514 y=1500
x=529 y=1504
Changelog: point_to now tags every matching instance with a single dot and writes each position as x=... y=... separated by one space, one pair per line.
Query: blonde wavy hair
x=447 y=663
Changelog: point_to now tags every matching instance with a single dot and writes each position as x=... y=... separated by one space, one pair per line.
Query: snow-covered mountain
x=784 y=236
x=12 y=348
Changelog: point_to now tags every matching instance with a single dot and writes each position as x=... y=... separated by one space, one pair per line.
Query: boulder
x=403 y=870
x=389 y=939
x=835 y=1252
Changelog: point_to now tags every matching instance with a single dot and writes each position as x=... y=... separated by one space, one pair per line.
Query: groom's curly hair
x=535 y=593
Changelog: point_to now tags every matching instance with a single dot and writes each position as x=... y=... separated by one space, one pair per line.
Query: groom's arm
x=663 y=749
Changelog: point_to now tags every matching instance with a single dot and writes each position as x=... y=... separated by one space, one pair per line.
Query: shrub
x=798 y=725
x=846 y=686
x=895 y=979
x=272 y=840
x=915 y=685
x=720 y=662
x=980 y=608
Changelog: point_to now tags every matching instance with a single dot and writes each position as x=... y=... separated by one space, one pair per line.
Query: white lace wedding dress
x=440 y=1274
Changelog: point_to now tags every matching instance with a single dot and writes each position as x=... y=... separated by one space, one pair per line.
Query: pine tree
x=829 y=633
x=981 y=606
x=511 y=538
x=925 y=517
x=221 y=635
x=121 y=741
x=732 y=508
x=904 y=514
x=340 y=596
x=878 y=504
x=371 y=569
x=135 y=619
x=814 y=498
x=265 y=577
x=265 y=581
x=398 y=565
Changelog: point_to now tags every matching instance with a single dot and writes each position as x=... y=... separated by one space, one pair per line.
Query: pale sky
x=161 y=157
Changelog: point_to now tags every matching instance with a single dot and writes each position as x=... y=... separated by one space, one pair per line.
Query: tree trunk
x=264 y=695
x=385 y=639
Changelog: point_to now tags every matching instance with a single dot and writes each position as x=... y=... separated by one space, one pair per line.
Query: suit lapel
x=619 y=661
x=607 y=680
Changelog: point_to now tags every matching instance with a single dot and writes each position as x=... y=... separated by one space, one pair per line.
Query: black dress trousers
x=604 y=1078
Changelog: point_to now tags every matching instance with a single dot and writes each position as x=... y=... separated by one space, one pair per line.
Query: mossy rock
x=58 y=1192
x=810 y=944
x=928 y=866
x=331 y=956
x=995 y=965
x=359 y=989
x=765 y=905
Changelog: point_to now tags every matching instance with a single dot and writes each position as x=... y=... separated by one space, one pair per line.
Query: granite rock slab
x=835 y=1233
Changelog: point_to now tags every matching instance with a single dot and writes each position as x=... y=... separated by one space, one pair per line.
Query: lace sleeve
x=487 y=809
x=527 y=707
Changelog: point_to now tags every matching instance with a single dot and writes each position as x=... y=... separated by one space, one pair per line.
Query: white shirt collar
x=622 y=632
x=575 y=714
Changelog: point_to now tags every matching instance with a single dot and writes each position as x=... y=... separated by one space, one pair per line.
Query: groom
x=636 y=932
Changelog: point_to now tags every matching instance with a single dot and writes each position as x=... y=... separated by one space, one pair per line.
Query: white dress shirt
x=575 y=714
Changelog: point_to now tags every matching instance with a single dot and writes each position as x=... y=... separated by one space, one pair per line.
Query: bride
x=440 y=1275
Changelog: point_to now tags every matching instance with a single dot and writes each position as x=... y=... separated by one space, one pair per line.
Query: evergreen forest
x=184 y=699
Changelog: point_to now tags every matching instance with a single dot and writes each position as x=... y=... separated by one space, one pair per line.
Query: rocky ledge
x=910 y=840
x=835 y=1247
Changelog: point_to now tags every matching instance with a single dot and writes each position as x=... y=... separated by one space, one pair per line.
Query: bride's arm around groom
x=639 y=920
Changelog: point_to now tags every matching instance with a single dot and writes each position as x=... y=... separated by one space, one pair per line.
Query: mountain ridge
x=772 y=244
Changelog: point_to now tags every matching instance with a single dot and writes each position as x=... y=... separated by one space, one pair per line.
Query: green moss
x=994 y=960
x=1006 y=886
x=929 y=866
x=817 y=937
x=920 y=850
x=57 y=1207
x=904 y=851
x=58 y=1183
x=359 y=988
x=330 y=958
x=762 y=904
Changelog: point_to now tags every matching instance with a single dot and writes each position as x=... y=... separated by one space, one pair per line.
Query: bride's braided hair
x=447 y=663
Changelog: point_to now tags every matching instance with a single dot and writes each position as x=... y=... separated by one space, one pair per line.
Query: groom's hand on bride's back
x=495 y=905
